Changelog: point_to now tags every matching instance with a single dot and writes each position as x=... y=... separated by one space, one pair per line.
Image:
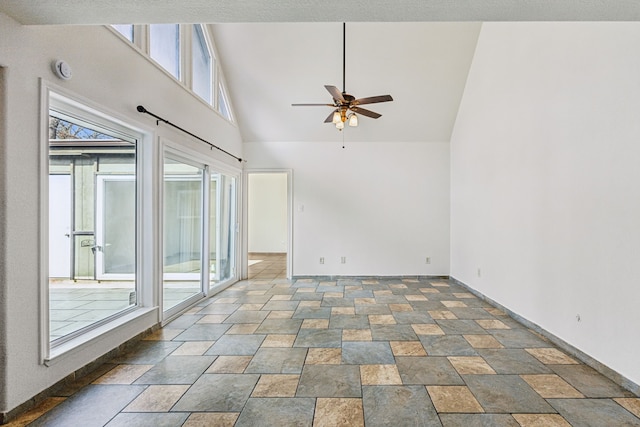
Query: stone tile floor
x=374 y=352
x=267 y=265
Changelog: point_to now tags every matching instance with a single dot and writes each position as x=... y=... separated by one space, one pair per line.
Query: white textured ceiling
x=156 y=11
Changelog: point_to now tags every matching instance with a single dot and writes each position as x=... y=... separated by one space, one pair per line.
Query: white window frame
x=183 y=64
x=221 y=88
x=58 y=98
x=140 y=38
x=212 y=68
x=133 y=31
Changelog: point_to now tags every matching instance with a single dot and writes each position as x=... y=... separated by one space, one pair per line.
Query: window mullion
x=206 y=229
x=141 y=38
x=186 y=40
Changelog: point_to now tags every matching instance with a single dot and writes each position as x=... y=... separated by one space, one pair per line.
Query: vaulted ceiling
x=282 y=52
x=270 y=66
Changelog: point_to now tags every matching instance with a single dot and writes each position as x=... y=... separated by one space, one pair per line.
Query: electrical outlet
x=427 y=260
x=321 y=260
x=343 y=260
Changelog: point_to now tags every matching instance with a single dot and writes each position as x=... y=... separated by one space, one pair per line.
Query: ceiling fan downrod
x=346 y=107
x=344 y=57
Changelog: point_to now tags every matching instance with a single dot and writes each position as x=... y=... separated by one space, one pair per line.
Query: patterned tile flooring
x=267 y=266
x=374 y=352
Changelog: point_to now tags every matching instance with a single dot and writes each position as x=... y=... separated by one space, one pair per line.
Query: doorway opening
x=269 y=224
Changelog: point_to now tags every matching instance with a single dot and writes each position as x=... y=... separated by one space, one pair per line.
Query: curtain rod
x=159 y=119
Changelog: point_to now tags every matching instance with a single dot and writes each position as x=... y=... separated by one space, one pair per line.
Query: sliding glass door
x=199 y=231
x=182 y=232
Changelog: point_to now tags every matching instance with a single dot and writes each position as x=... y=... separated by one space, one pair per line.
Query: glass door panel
x=214 y=264
x=222 y=228
x=182 y=236
x=227 y=228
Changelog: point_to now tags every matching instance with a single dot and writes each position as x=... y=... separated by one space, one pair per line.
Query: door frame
x=245 y=218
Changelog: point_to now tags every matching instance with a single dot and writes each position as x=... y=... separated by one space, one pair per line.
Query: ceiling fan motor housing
x=343 y=102
x=348 y=97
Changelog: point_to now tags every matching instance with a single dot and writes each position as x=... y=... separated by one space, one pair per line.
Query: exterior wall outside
x=382 y=206
x=114 y=76
x=545 y=188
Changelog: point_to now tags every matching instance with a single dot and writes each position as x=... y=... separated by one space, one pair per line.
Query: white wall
x=267 y=212
x=107 y=72
x=383 y=206
x=545 y=186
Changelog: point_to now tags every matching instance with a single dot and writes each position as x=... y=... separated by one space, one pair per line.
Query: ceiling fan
x=346 y=106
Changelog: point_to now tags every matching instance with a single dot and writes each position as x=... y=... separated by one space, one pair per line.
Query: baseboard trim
x=368 y=277
x=613 y=375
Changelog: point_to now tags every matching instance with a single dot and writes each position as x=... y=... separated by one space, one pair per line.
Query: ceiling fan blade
x=365 y=112
x=312 y=105
x=330 y=118
x=335 y=93
x=373 y=100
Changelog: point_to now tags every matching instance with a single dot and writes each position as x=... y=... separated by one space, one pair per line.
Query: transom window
x=125 y=30
x=201 y=65
x=191 y=61
x=164 y=47
x=223 y=104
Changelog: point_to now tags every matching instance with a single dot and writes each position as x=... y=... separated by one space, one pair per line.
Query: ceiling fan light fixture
x=345 y=105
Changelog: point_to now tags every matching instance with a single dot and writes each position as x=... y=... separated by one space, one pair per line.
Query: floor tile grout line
x=387 y=341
